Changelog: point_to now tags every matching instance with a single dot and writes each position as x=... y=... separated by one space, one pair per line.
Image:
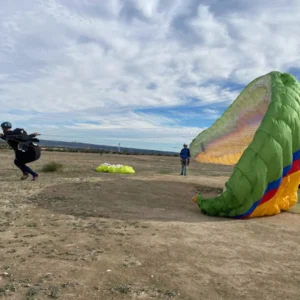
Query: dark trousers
x=23 y=158
x=184 y=163
x=25 y=169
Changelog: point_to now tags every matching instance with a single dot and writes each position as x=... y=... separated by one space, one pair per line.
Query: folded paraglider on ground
x=121 y=169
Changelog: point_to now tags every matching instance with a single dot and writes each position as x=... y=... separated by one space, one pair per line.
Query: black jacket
x=18 y=137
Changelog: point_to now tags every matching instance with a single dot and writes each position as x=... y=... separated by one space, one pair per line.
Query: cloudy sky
x=143 y=73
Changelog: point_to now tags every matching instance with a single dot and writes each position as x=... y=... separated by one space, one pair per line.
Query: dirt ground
x=79 y=234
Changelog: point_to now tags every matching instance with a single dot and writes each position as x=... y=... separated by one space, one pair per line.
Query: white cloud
x=134 y=129
x=88 y=61
x=210 y=31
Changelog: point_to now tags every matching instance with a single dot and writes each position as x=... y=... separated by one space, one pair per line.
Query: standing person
x=185 y=159
x=25 y=147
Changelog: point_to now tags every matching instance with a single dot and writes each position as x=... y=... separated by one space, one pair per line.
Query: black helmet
x=6 y=125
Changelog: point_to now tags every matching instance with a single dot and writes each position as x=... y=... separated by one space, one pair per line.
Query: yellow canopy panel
x=108 y=168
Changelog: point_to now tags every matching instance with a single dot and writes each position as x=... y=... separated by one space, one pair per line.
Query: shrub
x=52 y=167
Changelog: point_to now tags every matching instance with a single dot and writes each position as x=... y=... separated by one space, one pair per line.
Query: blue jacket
x=185 y=153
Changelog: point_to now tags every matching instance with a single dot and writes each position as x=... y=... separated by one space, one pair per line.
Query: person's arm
x=6 y=135
x=181 y=153
x=34 y=134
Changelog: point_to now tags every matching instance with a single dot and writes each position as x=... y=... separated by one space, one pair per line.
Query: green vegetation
x=52 y=167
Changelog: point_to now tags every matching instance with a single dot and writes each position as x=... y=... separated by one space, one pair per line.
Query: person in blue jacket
x=185 y=159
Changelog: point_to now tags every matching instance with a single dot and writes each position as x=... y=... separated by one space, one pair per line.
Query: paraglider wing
x=108 y=168
x=226 y=140
x=260 y=135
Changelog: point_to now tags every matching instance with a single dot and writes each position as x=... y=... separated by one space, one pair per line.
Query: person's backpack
x=20 y=135
x=24 y=140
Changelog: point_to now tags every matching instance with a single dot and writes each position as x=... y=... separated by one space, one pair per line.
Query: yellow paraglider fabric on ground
x=108 y=168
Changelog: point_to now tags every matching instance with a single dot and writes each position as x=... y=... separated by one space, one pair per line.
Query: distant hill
x=75 y=145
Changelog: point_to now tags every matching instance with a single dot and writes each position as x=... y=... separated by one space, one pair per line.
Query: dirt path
x=85 y=235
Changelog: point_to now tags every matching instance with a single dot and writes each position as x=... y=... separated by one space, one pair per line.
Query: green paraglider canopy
x=259 y=134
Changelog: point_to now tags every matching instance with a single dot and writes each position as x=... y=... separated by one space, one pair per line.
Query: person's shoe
x=25 y=176
x=35 y=177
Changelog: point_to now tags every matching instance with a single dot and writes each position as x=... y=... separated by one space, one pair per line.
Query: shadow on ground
x=128 y=199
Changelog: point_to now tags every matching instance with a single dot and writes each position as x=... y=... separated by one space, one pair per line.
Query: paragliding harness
x=25 y=146
x=19 y=140
x=22 y=139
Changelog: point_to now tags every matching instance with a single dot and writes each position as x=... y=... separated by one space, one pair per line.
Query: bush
x=52 y=167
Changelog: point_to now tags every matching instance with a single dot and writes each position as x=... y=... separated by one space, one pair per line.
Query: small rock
x=108 y=270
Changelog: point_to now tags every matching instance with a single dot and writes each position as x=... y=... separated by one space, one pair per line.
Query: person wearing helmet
x=185 y=159
x=25 y=148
